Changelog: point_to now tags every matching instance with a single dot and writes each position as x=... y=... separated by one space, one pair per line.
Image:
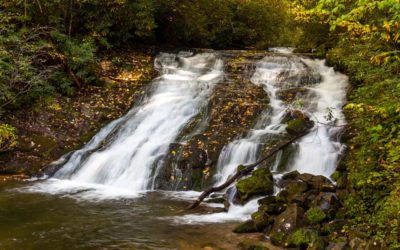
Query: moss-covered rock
x=315 y=215
x=290 y=220
x=251 y=246
x=248 y=226
x=317 y=182
x=291 y=175
x=260 y=183
x=318 y=243
x=301 y=238
x=277 y=238
x=261 y=220
x=297 y=126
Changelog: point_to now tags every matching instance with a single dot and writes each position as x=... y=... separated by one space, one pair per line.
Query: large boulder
x=317 y=182
x=327 y=202
x=260 y=183
x=248 y=226
x=297 y=127
x=290 y=220
x=297 y=122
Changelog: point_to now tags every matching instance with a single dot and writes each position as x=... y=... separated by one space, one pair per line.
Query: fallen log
x=242 y=172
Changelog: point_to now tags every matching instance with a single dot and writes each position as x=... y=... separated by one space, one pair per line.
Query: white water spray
x=141 y=138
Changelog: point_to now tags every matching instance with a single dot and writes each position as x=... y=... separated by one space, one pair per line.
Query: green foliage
x=259 y=183
x=301 y=238
x=315 y=215
x=366 y=46
x=7 y=137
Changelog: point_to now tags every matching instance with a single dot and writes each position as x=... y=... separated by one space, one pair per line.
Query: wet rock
x=277 y=238
x=294 y=188
x=301 y=238
x=357 y=243
x=250 y=246
x=297 y=127
x=327 y=202
x=271 y=206
x=291 y=94
x=291 y=175
x=342 y=245
x=290 y=220
x=260 y=183
x=248 y=226
x=261 y=220
x=317 y=182
x=318 y=244
x=227 y=205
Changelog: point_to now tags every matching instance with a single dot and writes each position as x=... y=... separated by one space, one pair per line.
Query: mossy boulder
x=290 y=220
x=315 y=215
x=318 y=243
x=301 y=238
x=327 y=202
x=298 y=126
x=291 y=175
x=260 y=183
x=262 y=220
x=294 y=188
x=248 y=226
x=251 y=246
x=277 y=238
x=317 y=182
x=271 y=206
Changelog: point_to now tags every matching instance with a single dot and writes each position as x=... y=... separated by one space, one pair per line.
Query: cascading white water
x=140 y=138
x=317 y=153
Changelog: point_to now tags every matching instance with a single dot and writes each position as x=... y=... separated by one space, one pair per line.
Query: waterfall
x=318 y=152
x=125 y=152
x=320 y=90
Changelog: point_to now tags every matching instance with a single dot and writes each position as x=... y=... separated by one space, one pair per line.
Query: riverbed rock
x=290 y=220
x=248 y=226
x=319 y=243
x=260 y=183
x=297 y=127
x=327 y=202
x=262 y=220
x=342 y=245
x=317 y=182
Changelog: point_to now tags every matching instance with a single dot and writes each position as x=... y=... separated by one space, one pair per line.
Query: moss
x=244 y=245
x=300 y=238
x=246 y=227
x=240 y=168
x=277 y=238
x=259 y=183
x=315 y=215
x=295 y=127
x=335 y=176
x=296 y=188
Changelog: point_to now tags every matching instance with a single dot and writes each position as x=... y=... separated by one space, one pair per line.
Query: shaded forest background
x=49 y=47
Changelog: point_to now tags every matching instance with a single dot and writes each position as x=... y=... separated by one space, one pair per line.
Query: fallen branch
x=240 y=173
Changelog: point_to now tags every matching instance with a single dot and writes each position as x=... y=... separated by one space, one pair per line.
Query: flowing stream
x=103 y=196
